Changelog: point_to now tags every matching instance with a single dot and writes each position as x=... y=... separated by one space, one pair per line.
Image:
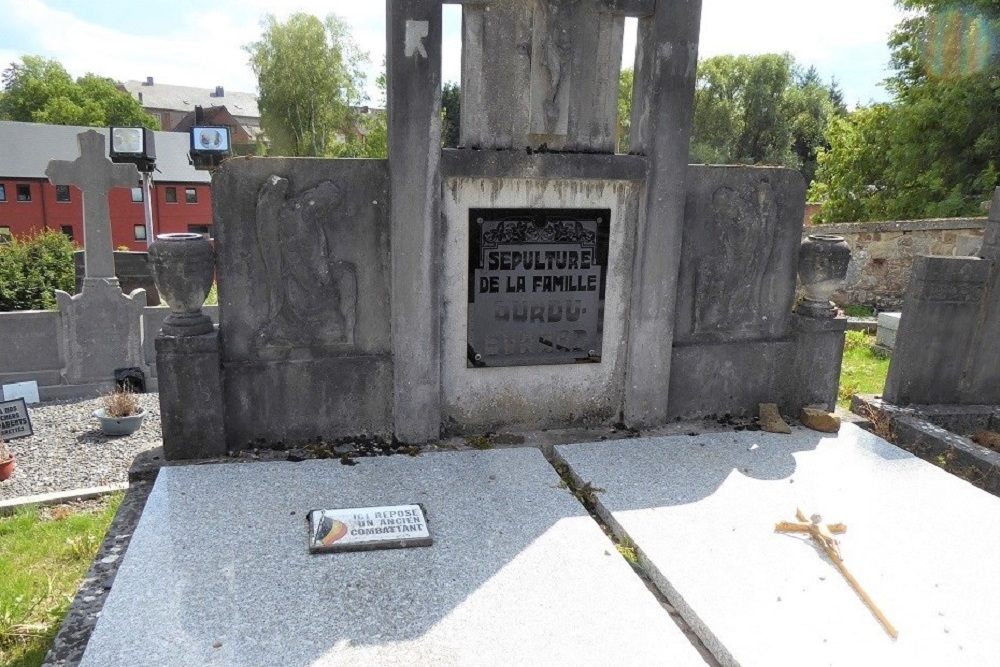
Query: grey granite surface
x=218 y=573
x=702 y=512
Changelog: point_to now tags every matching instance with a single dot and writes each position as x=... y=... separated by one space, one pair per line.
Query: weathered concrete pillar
x=189 y=372
x=662 y=111
x=413 y=60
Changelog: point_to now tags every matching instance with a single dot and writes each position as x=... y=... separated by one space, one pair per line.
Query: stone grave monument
x=532 y=279
x=102 y=326
x=529 y=279
x=946 y=346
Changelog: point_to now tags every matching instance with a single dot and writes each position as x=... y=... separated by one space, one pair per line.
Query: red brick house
x=182 y=195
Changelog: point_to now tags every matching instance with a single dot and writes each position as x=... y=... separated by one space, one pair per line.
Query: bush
x=32 y=268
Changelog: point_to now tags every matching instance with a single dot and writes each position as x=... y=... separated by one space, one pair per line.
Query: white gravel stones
x=68 y=450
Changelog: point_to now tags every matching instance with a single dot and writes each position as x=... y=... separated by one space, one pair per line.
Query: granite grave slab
x=702 y=511
x=218 y=572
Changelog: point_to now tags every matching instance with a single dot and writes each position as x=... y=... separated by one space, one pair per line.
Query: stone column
x=413 y=60
x=662 y=111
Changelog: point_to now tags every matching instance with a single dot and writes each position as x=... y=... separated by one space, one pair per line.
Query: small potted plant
x=121 y=414
x=7 y=463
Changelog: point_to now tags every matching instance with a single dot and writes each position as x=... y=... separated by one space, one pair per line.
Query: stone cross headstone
x=95 y=175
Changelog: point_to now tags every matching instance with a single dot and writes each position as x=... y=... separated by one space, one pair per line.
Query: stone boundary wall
x=33 y=347
x=883 y=254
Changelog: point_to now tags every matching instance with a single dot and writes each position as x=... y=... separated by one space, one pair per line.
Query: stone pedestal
x=819 y=351
x=190 y=379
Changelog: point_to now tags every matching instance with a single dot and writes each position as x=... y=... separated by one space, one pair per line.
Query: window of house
x=23 y=192
x=3 y=192
x=62 y=193
x=136 y=195
x=204 y=230
x=171 y=194
x=139 y=232
x=191 y=195
x=5 y=235
x=67 y=231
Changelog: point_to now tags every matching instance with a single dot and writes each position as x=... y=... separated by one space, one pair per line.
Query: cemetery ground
x=45 y=551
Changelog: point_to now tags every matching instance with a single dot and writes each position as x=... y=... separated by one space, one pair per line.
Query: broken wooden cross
x=824 y=535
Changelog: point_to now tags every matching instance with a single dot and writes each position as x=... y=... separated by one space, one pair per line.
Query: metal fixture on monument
x=823 y=261
x=183 y=266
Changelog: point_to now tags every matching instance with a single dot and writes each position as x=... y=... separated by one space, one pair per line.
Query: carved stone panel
x=303 y=259
x=312 y=295
x=741 y=235
x=541 y=74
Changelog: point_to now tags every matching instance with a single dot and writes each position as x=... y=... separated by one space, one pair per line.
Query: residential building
x=181 y=201
x=172 y=104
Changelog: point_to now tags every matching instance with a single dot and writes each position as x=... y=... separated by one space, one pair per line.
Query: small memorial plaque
x=368 y=528
x=26 y=390
x=536 y=286
x=14 y=420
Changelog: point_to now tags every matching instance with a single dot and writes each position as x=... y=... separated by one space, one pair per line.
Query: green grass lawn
x=863 y=371
x=44 y=554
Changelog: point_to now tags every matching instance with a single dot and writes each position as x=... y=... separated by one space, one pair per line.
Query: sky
x=184 y=42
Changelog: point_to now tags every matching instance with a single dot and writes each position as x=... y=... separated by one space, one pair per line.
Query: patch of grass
x=213 y=296
x=863 y=371
x=859 y=311
x=44 y=554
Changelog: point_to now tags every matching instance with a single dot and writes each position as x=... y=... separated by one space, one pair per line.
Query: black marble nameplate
x=536 y=286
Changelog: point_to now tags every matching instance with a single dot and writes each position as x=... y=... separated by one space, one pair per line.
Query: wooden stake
x=824 y=535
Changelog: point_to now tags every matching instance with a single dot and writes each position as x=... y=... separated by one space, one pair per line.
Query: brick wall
x=883 y=254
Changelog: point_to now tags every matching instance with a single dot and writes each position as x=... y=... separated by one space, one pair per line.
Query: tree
x=39 y=90
x=760 y=109
x=451 y=105
x=934 y=151
x=310 y=78
x=626 y=82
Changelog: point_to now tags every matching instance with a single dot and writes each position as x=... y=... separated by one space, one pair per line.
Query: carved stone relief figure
x=730 y=282
x=312 y=296
x=550 y=72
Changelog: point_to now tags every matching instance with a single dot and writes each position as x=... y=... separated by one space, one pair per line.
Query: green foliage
x=626 y=83
x=39 y=90
x=44 y=554
x=934 y=151
x=863 y=371
x=451 y=108
x=32 y=268
x=760 y=110
x=310 y=76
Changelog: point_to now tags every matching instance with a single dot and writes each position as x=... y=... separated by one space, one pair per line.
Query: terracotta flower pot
x=183 y=266
x=7 y=467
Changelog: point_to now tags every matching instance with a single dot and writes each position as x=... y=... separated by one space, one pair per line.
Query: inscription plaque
x=14 y=420
x=368 y=528
x=536 y=286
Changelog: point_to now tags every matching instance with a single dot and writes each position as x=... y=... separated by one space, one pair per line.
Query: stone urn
x=823 y=260
x=183 y=266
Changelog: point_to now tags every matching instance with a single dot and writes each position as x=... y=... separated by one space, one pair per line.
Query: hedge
x=32 y=268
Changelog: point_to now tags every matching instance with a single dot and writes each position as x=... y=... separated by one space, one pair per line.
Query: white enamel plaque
x=367 y=528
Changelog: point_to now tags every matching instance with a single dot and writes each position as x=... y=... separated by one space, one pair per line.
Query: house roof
x=27 y=148
x=185 y=98
x=219 y=116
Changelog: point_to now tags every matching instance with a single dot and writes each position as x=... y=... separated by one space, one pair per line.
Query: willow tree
x=310 y=79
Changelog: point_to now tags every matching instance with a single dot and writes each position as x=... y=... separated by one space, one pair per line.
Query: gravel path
x=69 y=452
